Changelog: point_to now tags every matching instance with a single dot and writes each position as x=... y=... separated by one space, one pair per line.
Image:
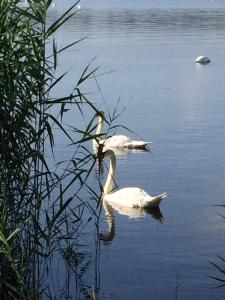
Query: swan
x=130 y=196
x=116 y=141
x=202 y=60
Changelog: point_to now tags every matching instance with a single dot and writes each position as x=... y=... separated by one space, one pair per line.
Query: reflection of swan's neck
x=98 y=130
x=111 y=223
x=111 y=175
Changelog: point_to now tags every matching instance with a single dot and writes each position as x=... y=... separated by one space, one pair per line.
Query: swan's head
x=100 y=114
x=101 y=153
x=108 y=153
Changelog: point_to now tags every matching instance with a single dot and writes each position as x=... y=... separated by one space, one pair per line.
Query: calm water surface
x=178 y=105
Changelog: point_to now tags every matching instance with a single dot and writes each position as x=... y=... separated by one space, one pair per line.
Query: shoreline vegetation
x=41 y=220
x=38 y=216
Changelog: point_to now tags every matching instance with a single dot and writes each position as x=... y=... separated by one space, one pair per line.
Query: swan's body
x=202 y=60
x=130 y=196
x=134 y=197
x=117 y=141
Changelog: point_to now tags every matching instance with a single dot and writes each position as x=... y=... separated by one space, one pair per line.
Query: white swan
x=116 y=141
x=202 y=60
x=130 y=196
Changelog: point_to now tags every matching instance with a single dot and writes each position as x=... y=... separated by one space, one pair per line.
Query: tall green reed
x=37 y=213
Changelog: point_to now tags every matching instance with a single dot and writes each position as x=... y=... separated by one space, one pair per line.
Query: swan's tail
x=155 y=201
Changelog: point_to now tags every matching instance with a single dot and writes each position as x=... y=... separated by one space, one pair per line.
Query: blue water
x=178 y=105
x=143 y=3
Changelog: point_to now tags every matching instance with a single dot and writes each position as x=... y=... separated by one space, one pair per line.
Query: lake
x=147 y=58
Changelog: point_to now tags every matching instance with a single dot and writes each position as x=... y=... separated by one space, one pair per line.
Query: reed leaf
x=38 y=215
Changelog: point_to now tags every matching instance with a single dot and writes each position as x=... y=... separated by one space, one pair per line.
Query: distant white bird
x=202 y=60
x=130 y=196
x=116 y=141
x=78 y=6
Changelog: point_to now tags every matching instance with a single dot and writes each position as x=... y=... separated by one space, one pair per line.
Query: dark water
x=178 y=105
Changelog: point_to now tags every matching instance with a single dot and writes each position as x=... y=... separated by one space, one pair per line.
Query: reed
x=219 y=278
x=37 y=214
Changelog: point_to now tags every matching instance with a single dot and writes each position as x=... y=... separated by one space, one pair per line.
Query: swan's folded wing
x=134 y=197
x=117 y=141
x=122 y=141
x=130 y=197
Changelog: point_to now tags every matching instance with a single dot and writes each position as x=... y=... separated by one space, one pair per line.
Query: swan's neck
x=98 y=130
x=111 y=175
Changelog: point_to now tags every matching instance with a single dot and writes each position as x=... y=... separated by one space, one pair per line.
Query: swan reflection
x=132 y=213
x=122 y=152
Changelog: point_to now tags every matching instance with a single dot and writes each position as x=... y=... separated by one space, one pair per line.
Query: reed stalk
x=37 y=214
